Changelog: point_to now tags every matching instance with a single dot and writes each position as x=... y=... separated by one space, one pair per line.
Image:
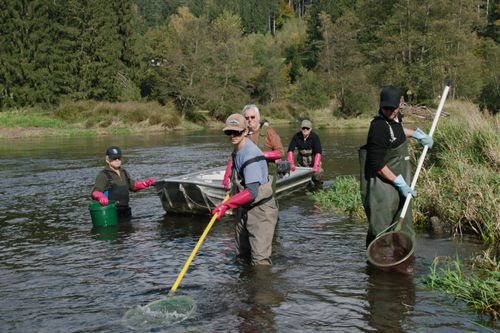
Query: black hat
x=390 y=97
x=113 y=152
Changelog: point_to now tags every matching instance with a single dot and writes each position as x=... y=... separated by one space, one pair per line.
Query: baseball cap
x=390 y=97
x=306 y=123
x=235 y=122
x=113 y=152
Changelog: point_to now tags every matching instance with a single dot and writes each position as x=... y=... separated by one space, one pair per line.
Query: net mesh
x=390 y=249
x=161 y=313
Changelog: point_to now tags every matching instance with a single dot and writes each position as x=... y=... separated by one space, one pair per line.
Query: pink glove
x=235 y=201
x=144 y=184
x=99 y=196
x=227 y=174
x=317 y=161
x=272 y=155
x=289 y=157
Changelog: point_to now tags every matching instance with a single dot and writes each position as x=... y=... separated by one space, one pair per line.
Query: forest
x=210 y=57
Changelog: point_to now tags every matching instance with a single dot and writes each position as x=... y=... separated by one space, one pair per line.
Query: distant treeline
x=214 y=56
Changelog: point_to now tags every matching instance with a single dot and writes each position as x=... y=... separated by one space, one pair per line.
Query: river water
x=59 y=275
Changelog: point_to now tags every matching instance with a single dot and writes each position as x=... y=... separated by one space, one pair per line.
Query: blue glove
x=400 y=183
x=423 y=138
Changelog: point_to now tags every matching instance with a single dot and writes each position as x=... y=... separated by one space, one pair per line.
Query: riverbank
x=92 y=118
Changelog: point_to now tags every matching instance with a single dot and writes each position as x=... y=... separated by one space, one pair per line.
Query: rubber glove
x=424 y=139
x=237 y=200
x=289 y=157
x=272 y=155
x=227 y=174
x=317 y=161
x=99 y=196
x=400 y=183
x=144 y=184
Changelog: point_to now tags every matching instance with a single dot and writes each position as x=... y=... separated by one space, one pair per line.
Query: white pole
x=426 y=148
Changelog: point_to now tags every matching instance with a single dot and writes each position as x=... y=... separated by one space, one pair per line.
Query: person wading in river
x=257 y=212
x=114 y=183
x=385 y=167
x=266 y=138
x=308 y=145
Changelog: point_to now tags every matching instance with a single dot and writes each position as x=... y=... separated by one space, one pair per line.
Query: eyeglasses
x=116 y=158
x=249 y=117
x=233 y=133
x=306 y=128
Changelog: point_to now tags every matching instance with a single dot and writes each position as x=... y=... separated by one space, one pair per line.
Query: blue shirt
x=255 y=172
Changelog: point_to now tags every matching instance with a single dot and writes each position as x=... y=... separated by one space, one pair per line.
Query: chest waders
x=381 y=199
x=119 y=193
x=271 y=165
x=255 y=222
x=304 y=158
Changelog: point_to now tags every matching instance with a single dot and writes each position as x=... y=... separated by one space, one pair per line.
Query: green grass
x=17 y=120
x=479 y=288
x=342 y=197
x=461 y=182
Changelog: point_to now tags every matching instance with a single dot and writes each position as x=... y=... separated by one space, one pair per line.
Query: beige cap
x=235 y=122
x=306 y=123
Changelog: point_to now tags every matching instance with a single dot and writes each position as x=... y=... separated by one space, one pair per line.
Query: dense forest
x=213 y=56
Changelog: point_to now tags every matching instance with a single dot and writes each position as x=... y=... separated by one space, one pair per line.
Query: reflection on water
x=58 y=274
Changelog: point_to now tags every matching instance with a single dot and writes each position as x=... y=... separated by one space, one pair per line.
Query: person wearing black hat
x=309 y=149
x=114 y=183
x=385 y=167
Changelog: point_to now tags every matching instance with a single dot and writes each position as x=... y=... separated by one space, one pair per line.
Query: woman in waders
x=114 y=183
x=385 y=167
x=257 y=212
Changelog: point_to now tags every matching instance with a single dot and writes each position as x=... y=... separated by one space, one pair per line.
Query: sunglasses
x=233 y=133
x=389 y=109
x=116 y=158
x=306 y=128
x=249 y=117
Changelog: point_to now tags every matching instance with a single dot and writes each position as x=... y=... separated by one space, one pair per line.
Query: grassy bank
x=478 y=285
x=90 y=118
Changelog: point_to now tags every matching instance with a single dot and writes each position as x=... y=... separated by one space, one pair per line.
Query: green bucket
x=103 y=216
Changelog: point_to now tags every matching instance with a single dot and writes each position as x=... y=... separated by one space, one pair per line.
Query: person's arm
x=100 y=186
x=240 y=199
x=274 y=141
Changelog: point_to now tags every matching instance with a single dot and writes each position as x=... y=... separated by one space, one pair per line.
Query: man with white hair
x=265 y=137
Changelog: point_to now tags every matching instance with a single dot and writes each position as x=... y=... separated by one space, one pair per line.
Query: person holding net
x=385 y=166
x=255 y=204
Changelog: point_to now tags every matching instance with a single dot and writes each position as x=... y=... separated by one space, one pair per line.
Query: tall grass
x=462 y=183
x=479 y=288
x=106 y=114
x=343 y=197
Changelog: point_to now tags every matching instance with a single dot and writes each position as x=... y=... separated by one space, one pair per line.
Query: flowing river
x=57 y=274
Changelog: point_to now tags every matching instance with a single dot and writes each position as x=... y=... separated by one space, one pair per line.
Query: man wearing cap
x=257 y=212
x=385 y=167
x=114 y=183
x=308 y=145
x=265 y=137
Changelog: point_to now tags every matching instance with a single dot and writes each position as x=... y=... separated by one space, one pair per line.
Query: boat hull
x=200 y=192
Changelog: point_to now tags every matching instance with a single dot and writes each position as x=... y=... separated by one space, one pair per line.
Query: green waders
x=381 y=199
x=305 y=159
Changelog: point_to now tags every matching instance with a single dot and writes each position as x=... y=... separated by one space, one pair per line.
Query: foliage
x=461 y=185
x=343 y=196
x=479 y=288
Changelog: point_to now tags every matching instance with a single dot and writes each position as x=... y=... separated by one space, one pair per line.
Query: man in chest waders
x=309 y=149
x=114 y=183
x=257 y=212
x=385 y=166
x=266 y=138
